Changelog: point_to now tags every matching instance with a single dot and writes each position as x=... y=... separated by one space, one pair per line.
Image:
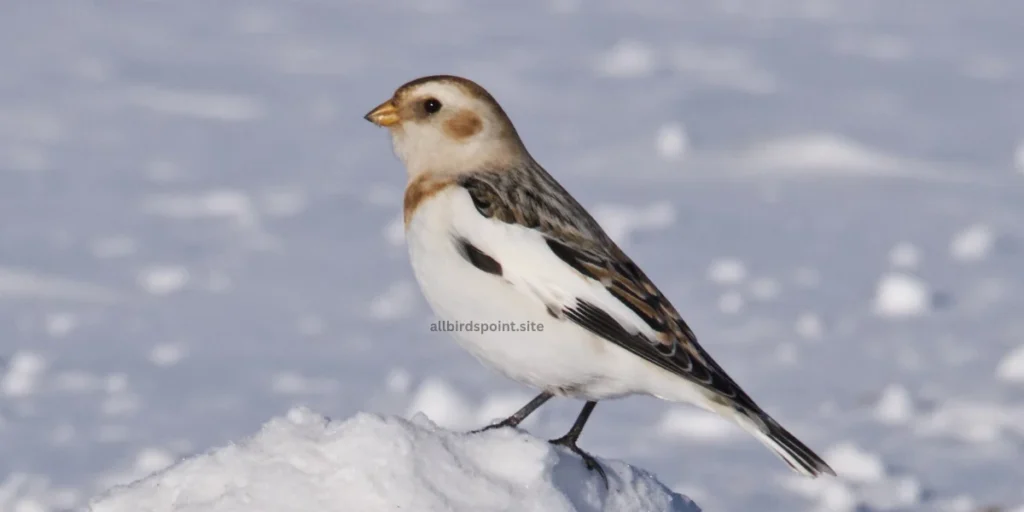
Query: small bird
x=494 y=239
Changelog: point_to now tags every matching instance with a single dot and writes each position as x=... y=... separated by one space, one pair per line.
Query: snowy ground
x=200 y=232
x=304 y=462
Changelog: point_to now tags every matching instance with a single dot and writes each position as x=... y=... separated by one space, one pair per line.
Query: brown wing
x=674 y=348
x=533 y=200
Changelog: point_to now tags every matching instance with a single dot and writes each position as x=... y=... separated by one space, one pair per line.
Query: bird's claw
x=501 y=424
x=588 y=460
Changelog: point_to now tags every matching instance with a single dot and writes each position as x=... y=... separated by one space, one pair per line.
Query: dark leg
x=569 y=441
x=520 y=415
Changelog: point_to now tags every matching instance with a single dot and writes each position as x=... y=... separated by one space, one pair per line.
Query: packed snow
x=822 y=153
x=672 y=141
x=23 y=374
x=973 y=243
x=1011 y=366
x=200 y=232
x=696 y=424
x=809 y=326
x=727 y=271
x=853 y=463
x=621 y=221
x=895 y=406
x=304 y=461
x=628 y=59
x=902 y=295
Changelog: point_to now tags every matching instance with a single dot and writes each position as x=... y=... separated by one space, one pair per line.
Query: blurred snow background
x=198 y=231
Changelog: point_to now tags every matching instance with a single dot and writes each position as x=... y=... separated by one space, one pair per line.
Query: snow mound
x=727 y=271
x=902 y=295
x=305 y=462
x=819 y=152
x=855 y=463
x=628 y=59
x=973 y=243
x=672 y=141
x=1011 y=367
x=895 y=406
x=621 y=221
x=974 y=421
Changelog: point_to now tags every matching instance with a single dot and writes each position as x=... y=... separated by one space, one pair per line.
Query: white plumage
x=494 y=239
x=564 y=358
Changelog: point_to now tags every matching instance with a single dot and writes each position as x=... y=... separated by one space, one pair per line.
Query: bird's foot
x=588 y=460
x=520 y=415
x=507 y=422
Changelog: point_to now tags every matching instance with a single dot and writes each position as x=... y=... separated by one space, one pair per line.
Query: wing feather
x=539 y=234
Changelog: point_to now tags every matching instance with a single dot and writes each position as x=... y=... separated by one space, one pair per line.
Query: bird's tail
x=782 y=443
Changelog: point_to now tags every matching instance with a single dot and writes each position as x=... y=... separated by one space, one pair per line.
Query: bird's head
x=448 y=125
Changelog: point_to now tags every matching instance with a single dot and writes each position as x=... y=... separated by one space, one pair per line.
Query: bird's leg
x=569 y=441
x=520 y=415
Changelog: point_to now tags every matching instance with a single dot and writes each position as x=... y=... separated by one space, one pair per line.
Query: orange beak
x=384 y=115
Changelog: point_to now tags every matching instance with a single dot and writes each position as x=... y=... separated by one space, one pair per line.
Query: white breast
x=562 y=357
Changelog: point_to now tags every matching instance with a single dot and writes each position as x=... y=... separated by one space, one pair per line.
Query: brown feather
x=464 y=125
x=527 y=195
x=421 y=188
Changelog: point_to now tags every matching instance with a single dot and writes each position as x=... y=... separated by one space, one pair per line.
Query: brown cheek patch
x=465 y=124
x=420 y=189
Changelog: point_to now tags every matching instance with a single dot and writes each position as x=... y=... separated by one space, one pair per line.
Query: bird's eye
x=431 y=105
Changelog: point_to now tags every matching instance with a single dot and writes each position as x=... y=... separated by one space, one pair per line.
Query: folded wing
x=565 y=260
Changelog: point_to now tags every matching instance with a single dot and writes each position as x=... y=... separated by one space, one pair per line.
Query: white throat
x=426 y=150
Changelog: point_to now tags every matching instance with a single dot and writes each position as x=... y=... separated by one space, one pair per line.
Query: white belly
x=558 y=356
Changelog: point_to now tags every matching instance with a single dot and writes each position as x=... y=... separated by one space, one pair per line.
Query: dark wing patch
x=575 y=258
x=528 y=196
x=620 y=279
x=665 y=355
x=484 y=197
x=477 y=257
x=597 y=321
x=674 y=349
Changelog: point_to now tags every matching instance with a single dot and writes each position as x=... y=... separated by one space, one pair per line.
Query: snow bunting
x=494 y=239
